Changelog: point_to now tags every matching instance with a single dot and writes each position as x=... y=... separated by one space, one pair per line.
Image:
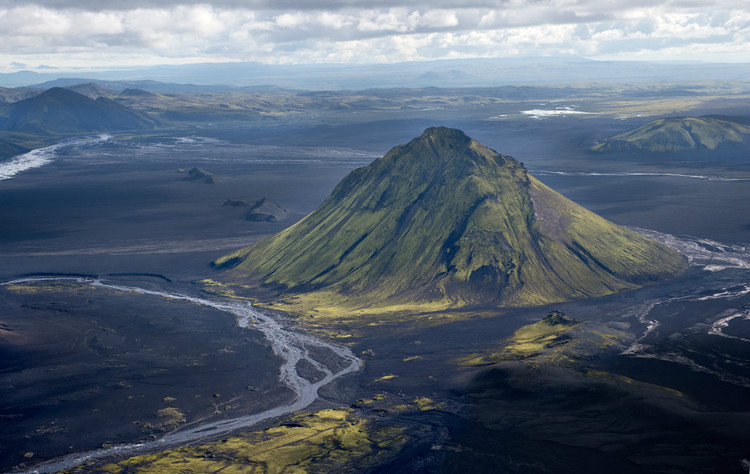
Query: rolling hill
x=677 y=134
x=8 y=95
x=93 y=90
x=59 y=110
x=445 y=222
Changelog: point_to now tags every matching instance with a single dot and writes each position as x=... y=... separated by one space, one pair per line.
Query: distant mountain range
x=114 y=86
x=8 y=95
x=677 y=134
x=445 y=222
x=93 y=90
x=440 y=73
x=59 y=111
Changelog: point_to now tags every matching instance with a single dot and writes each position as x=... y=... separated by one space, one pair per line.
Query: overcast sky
x=104 y=33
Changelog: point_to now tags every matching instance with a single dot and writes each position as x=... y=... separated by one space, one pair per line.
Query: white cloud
x=335 y=21
x=438 y=19
x=386 y=30
x=292 y=20
x=392 y=20
x=34 y=21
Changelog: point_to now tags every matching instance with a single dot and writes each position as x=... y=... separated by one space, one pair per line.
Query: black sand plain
x=86 y=367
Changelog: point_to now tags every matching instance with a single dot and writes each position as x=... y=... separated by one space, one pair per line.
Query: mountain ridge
x=59 y=110
x=482 y=71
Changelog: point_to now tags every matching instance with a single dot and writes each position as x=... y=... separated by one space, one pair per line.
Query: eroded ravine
x=291 y=346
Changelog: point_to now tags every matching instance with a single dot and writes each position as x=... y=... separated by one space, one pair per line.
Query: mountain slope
x=8 y=95
x=8 y=149
x=59 y=110
x=93 y=90
x=677 y=134
x=444 y=221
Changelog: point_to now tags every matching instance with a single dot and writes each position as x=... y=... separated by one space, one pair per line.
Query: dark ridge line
x=450 y=247
x=341 y=258
x=150 y=275
x=591 y=257
x=228 y=264
x=58 y=274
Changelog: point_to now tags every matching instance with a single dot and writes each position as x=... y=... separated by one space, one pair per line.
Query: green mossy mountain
x=677 y=134
x=445 y=222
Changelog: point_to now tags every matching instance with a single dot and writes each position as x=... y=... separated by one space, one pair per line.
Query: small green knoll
x=556 y=340
x=677 y=134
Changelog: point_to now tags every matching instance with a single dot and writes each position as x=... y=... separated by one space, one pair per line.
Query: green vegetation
x=385 y=377
x=213 y=287
x=325 y=441
x=557 y=340
x=169 y=418
x=444 y=222
x=677 y=134
x=548 y=333
x=426 y=404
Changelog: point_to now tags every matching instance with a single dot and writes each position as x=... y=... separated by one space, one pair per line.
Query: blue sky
x=89 y=34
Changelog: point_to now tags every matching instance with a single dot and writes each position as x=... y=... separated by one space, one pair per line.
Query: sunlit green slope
x=677 y=134
x=445 y=222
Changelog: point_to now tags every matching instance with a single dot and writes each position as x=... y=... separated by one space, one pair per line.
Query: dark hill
x=266 y=210
x=443 y=222
x=677 y=134
x=197 y=174
x=59 y=110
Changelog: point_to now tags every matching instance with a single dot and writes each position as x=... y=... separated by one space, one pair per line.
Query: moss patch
x=218 y=288
x=555 y=340
x=385 y=378
x=332 y=440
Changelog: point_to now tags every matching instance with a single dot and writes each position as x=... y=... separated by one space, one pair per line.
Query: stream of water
x=291 y=346
x=43 y=156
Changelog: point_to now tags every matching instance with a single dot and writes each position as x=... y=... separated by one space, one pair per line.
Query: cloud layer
x=105 y=33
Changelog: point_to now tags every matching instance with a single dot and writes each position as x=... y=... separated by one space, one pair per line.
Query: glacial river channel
x=727 y=264
x=291 y=346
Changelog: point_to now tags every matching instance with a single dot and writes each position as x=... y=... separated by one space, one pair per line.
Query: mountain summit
x=445 y=222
